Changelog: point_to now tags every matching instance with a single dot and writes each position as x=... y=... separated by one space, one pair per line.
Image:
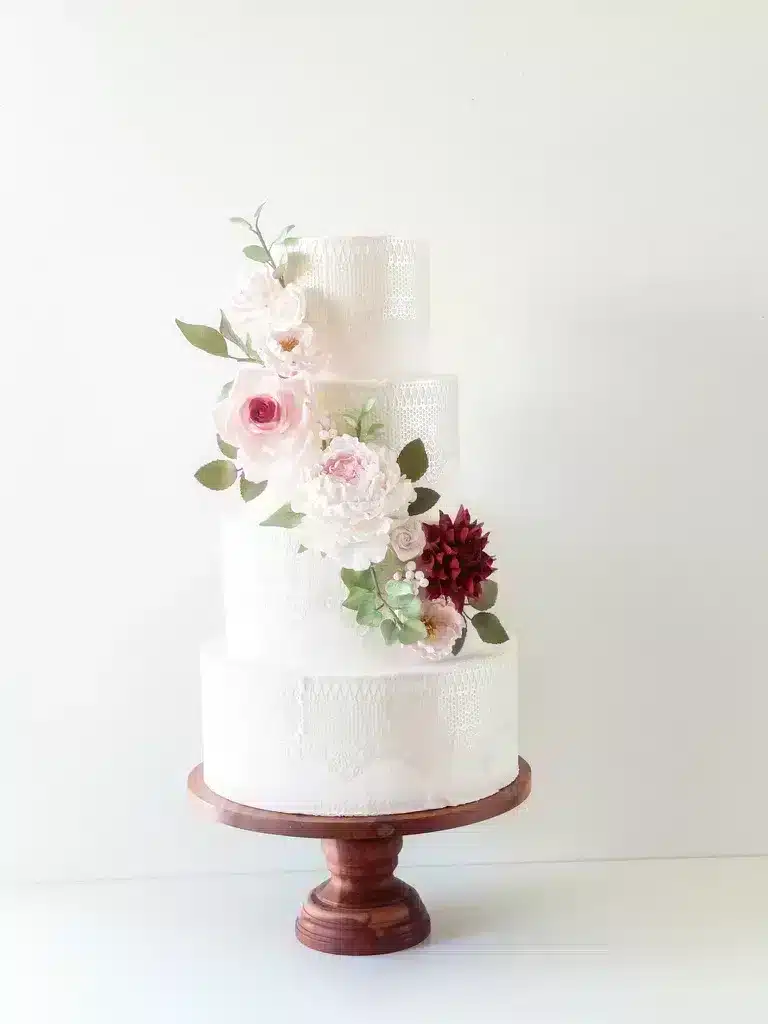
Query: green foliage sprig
x=384 y=602
x=361 y=423
x=262 y=253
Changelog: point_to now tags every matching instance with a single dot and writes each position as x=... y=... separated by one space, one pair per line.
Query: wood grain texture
x=363 y=909
x=310 y=826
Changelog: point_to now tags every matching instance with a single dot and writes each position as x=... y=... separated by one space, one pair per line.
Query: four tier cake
x=362 y=669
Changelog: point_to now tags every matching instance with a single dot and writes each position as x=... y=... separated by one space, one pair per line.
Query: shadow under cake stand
x=362 y=909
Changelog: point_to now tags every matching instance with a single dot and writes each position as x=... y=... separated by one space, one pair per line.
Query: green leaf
x=239 y=220
x=258 y=213
x=291 y=240
x=425 y=499
x=225 y=390
x=206 y=338
x=284 y=234
x=487 y=598
x=369 y=404
x=387 y=568
x=257 y=253
x=358 y=598
x=398 y=588
x=227 y=331
x=388 y=631
x=411 y=631
x=217 y=476
x=302 y=549
x=351 y=421
x=456 y=649
x=367 y=615
x=413 y=461
x=249 y=490
x=225 y=448
x=284 y=517
x=409 y=607
x=363 y=579
x=489 y=629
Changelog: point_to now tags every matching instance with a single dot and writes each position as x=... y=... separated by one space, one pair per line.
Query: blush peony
x=444 y=626
x=268 y=419
x=350 y=499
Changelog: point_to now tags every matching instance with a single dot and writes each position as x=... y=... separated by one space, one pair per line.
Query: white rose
x=263 y=305
x=350 y=500
x=407 y=539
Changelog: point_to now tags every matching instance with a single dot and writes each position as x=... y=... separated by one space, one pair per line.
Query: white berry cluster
x=327 y=429
x=413 y=576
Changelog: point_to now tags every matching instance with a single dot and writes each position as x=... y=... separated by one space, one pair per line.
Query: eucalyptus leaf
x=363 y=579
x=409 y=607
x=225 y=390
x=489 y=629
x=398 y=588
x=257 y=253
x=425 y=499
x=412 y=460
x=487 y=598
x=412 y=631
x=250 y=490
x=225 y=448
x=388 y=631
x=284 y=517
x=239 y=220
x=217 y=475
x=205 y=338
x=456 y=649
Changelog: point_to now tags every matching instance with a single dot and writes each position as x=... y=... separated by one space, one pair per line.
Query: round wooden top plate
x=311 y=826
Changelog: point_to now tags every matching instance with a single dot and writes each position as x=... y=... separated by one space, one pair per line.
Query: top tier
x=368 y=302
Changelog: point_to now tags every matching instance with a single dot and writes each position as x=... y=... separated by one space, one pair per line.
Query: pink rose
x=267 y=418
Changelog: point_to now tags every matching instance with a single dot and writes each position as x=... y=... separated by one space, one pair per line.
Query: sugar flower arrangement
x=353 y=499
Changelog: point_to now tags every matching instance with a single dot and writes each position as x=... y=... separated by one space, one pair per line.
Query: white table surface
x=619 y=942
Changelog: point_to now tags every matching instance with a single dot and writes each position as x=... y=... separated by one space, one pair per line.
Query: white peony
x=263 y=305
x=292 y=352
x=350 y=499
x=408 y=539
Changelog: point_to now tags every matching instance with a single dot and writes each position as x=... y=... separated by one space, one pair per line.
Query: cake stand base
x=362 y=909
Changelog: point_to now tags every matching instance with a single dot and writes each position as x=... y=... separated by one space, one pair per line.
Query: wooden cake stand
x=362 y=909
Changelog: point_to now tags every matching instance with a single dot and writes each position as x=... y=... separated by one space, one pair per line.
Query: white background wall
x=592 y=177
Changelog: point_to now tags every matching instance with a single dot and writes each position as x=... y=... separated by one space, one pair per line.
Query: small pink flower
x=267 y=418
x=346 y=467
x=444 y=626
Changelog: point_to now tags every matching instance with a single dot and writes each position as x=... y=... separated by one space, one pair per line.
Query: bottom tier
x=441 y=734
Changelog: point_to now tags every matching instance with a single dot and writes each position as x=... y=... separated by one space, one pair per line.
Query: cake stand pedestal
x=362 y=909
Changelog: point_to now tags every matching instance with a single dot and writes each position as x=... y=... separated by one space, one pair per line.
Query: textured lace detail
x=360 y=744
x=368 y=301
x=425 y=408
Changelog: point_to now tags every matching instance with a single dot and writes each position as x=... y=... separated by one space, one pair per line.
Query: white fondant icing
x=368 y=302
x=429 y=736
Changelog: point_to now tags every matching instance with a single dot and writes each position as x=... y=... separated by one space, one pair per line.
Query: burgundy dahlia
x=454 y=559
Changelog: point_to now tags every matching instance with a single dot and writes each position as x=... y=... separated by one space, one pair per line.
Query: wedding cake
x=361 y=670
